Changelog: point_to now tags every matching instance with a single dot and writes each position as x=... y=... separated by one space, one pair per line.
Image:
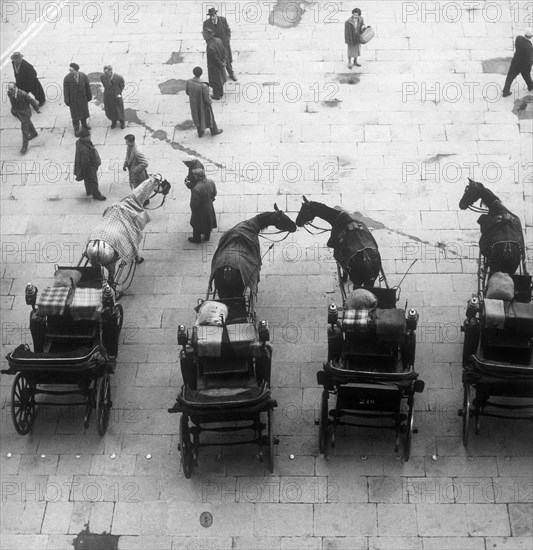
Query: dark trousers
x=76 y=123
x=213 y=129
x=27 y=128
x=514 y=71
x=91 y=182
x=196 y=235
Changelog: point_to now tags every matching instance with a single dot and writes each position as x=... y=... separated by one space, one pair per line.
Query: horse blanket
x=349 y=236
x=123 y=222
x=501 y=227
x=239 y=248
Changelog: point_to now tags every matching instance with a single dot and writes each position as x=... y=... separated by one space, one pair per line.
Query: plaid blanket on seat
x=356 y=320
x=53 y=300
x=86 y=304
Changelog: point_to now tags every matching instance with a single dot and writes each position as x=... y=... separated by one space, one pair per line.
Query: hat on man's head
x=211 y=11
x=16 y=56
x=198 y=174
x=75 y=66
x=528 y=33
x=83 y=133
x=129 y=137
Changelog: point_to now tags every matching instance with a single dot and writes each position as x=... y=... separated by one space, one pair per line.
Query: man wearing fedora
x=220 y=28
x=77 y=93
x=20 y=108
x=521 y=62
x=86 y=164
x=26 y=78
x=216 y=63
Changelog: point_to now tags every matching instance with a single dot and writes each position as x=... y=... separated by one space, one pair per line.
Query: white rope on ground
x=35 y=28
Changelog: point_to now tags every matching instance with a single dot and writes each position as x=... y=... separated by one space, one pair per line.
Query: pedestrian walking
x=352 y=30
x=21 y=103
x=201 y=104
x=135 y=163
x=113 y=102
x=77 y=93
x=219 y=25
x=203 y=217
x=216 y=63
x=521 y=62
x=86 y=164
x=26 y=78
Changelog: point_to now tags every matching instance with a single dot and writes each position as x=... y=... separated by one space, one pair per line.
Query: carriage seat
x=512 y=317
x=79 y=304
x=388 y=325
x=234 y=340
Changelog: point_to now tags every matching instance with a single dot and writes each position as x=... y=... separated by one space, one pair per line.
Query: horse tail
x=365 y=267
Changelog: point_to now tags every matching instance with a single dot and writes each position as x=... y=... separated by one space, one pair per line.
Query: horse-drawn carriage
x=498 y=328
x=371 y=343
x=75 y=327
x=226 y=357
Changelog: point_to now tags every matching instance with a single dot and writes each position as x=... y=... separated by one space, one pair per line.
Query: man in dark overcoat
x=113 y=102
x=20 y=108
x=521 y=62
x=203 y=217
x=219 y=26
x=77 y=93
x=86 y=164
x=200 y=103
x=26 y=78
x=216 y=63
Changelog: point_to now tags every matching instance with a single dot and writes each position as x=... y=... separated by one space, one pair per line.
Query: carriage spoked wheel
x=186 y=447
x=112 y=326
x=324 y=429
x=22 y=404
x=103 y=403
x=466 y=413
x=270 y=441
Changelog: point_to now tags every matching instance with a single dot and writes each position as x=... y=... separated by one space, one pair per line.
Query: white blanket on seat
x=494 y=313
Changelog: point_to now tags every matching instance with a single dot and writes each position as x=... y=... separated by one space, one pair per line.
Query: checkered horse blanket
x=123 y=222
x=239 y=248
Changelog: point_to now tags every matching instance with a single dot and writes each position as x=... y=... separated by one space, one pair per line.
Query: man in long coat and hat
x=203 y=217
x=26 y=78
x=86 y=164
x=77 y=93
x=20 y=108
x=200 y=103
x=113 y=102
x=216 y=63
x=219 y=26
x=521 y=62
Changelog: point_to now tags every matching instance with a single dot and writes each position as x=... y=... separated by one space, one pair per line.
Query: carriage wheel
x=270 y=441
x=103 y=403
x=409 y=428
x=323 y=432
x=466 y=413
x=408 y=351
x=477 y=412
x=186 y=447
x=195 y=444
x=111 y=328
x=22 y=404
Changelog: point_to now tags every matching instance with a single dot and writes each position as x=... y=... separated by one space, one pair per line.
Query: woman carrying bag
x=352 y=31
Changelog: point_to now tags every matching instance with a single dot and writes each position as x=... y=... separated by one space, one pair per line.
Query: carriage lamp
x=472 y=307
x=31 y=295
x=182 y=336
x=264 y=332
x=333 y=313
x=108 y=300
x=412 y=319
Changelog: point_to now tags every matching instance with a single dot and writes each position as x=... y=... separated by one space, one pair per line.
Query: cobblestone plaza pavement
x=393 y=140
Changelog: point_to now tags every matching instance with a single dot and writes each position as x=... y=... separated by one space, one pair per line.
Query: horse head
x=163 y=186
x=306 y=213
x=282 y=222
x=473 y=192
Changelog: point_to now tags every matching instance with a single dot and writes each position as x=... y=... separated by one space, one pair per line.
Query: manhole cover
x=206 y=519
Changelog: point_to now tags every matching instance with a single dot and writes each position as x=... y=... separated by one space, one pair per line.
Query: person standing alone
x=77 y=94
x=200 y=103
x=86 y=164
x=352 y=31
x=521 y=62
x=113 y=103
x=203 y=217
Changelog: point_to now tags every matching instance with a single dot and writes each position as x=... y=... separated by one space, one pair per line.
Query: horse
x=354 y=246
x=237 y=259
x=120 y=230
x=502 y=238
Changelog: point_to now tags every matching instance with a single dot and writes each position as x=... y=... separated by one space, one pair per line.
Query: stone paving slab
x=394 y=140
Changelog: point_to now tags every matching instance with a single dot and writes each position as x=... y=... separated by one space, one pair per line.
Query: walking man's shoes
x=200 y=134
x=99 y=197
x=219 y=131
x=122 y=124
x=113 y=124
x=506 y=94
x=195 y=241
x=233 y=77
x=24 y=150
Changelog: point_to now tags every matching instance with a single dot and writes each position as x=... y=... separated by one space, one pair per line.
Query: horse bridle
x=165 y=189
